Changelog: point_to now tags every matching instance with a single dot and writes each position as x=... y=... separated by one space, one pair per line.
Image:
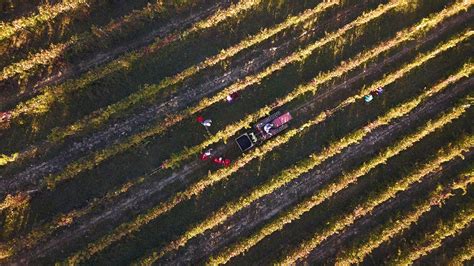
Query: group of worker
x=220 y=160
x=209 y=154
x=369 y=97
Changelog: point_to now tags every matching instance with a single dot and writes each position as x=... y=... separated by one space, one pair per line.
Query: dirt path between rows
x=166 y=32
x=248 y=63
x=269 y=206
x=142 y=197
x=329 y=248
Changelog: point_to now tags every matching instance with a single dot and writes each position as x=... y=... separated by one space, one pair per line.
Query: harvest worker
x=5 y=116
x=231 y=97
x=268 y=127
x=200 y=119
x=379 y=91
x=206 y=123
x=206 y=155
x=226 y=162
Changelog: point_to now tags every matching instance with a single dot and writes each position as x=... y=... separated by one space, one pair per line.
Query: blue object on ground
x=368 y=98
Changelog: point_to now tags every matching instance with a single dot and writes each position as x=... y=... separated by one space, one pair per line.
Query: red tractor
x=263 y=130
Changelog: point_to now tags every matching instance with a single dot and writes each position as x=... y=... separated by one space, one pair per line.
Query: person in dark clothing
x=232 y=97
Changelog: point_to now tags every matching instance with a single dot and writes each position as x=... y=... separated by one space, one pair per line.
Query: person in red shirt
x=200 y=119
x=206 y=155
x=218 y=160
x=226 y=162
x=221 y=161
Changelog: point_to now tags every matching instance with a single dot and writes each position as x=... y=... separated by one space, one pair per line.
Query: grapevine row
x=14 y=218
x=464 y=253
x=98 y=118
x=51 y=94
x=13 y=207
x=339 y=225
x=150 y=91
x=67 y=215
x=44 y=57
x=300 y=168
x=357 y=252
x=315 y=84
x=5 y=159
x=90 y=161
x=262 y=35
x=444 y=229
x=47 y=56
x=345 y=180
x=60 y=221
x=143 y=219
x=45 y=13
